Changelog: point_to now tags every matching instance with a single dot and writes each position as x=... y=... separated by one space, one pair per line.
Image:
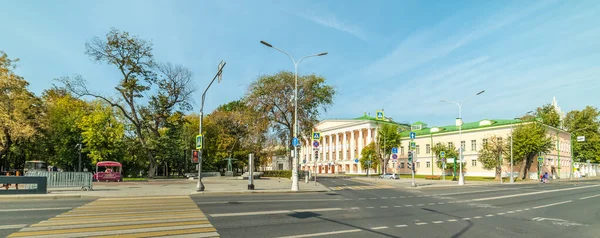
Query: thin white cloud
x=331 y=21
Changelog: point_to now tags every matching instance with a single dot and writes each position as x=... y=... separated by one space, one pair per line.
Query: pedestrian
x=546 y=177
x=18 y=173
x=6 y=185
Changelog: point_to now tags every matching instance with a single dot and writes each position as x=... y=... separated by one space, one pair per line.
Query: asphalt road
x=359 y=209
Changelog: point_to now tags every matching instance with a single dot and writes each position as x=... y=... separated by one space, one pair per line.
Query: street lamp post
x=200 y=186
x=459 y=122
x=295 y=186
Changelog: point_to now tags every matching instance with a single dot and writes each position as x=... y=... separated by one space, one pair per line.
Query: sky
x=400 y=56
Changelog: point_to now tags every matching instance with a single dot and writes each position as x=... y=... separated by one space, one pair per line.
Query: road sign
x=580 y=138
x=540 y=159
x=194 y=156
x=316 y=136
x=220 y=70
x=295 y=142
x=379 y=115
x=355 y=160
x=413 y=135
x=413 y=145
x=443 y=154
x=316 y=143
x=394 y=150
x=394 y=156
x=199 y=142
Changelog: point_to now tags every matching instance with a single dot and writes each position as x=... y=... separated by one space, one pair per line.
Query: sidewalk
x=174 y=187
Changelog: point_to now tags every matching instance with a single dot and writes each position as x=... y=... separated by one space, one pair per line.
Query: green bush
x=278 y=173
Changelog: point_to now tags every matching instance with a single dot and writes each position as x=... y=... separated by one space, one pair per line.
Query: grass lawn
x=135 y=179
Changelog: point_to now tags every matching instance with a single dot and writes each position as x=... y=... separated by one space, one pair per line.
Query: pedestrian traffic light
x=194 y=156
x=410 y=156
x=409 y=166
x=316 y=155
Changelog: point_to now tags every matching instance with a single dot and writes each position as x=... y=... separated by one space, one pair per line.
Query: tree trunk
x=152 y=166
x=528 y=162
x=498 y=173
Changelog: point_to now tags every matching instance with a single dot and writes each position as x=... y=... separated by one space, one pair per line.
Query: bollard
x=251 y=172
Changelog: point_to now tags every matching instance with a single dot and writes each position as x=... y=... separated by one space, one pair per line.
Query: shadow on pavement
x=305 y=215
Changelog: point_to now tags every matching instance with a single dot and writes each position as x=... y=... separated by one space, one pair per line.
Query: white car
x=389 y=176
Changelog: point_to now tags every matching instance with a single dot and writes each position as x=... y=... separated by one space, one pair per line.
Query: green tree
x=585 y=123
x=19 y=109
x=273 y=96
x=388 y=136
x=529 y=140
x=103 y=133
x=450 y=152
x=548 y=115
x=369 y=152
x=492 y=154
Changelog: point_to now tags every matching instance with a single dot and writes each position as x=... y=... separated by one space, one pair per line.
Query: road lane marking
x=500 y=213
x=383 y=207
x=379 y=228
x=489 y=215
x=397 y=206
x=510 y=212
x=533 y=193
x=452 y=220
x=519 y=210
x=15 y=226
x=421 y=223
x=269 y=201
x=420 y=204
x=589 y=197
x=275 y=212
x=322 y=233
x=526 y=209
x=431 y=203
x=392 y=197
x=370 y=207
x=552 y=204
x=354 y=208
x=476 y=217
x=466 y=218
x=96 y=224
x=438 y=222
x=36 y=209
x=113 y=229
x=403 y=225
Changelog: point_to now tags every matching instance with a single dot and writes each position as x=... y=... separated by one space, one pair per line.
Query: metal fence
x=66 y=179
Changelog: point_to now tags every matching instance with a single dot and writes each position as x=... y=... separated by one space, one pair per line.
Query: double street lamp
x=295 y=161
x=459 y=122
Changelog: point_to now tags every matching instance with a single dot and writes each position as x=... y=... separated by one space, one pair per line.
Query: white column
x=330 y=144
x=361 y=142
x=369 y=138
x=324 y=148
x=345 y=146
x=337 y=146
x=352 y=146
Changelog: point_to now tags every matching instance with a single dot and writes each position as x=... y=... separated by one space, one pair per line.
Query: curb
x=257 y=192
x=40 y=196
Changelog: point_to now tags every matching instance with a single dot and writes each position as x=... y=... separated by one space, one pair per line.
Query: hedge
x=278 y=173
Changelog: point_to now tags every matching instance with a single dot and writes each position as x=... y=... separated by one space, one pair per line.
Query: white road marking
x=552 y=204
x=421 y=223
x=403 y=225
x=510 y=212
x=36 y=209
x=322 y=233
x=372 y=198
x=451 y=220
x=282 y=200
x=466 y=218
x=440 y=203
x=274 y=212
x=519 y=210
x=420 y=204
x=383 y=207
x=354 y=208
x=500 y=213
x=589 y=197
x=408 y=205
x=451 y=202
x=379 y=228
x=489 y=215
x=533 y=193
x=402 y=197
x=438 y=222
x=15 y=226
x=370 y=207
x=477 y=217
x=431 y=203
x=362 y=199
x=383 y=197
x=526 y=209
x=392 y=197
x=397 y=206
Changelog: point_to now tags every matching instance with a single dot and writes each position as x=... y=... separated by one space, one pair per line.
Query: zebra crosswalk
x=127 y=217
x=356 y=187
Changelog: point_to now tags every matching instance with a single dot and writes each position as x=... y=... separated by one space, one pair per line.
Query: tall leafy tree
x=103 y=132
x=529 y=140
x=493 y=153
x=450 y=152
x=548 y=115
x=586 y=123
x=19 y=108
x=272 y=95
x=388 y=136
x=369 y=152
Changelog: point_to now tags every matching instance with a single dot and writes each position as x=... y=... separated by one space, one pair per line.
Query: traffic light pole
x=413 y=184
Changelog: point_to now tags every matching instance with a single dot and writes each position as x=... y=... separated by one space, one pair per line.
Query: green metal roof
x=418 y=123
x=465 y=127
x=370 y=118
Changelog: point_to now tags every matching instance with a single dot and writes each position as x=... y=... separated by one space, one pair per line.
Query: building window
x=474 y=145
x=418 y=165
x=474 y=163
x=280 y=166
x=428 y=148
x=484 y=142
x=418 y=149
x=462 y=145
x=450 y=144
x=402 y=150
x=428 y=164
x=401 y=165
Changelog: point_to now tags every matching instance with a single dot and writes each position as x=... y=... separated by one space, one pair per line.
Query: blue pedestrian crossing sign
x=413 y=145
x=413 y=135
x=199 y=142
x=316 y=135
x=443 y=154
x=540 y=159
x=394 y=150
x=380 y=115
x=295 y=142
x=355 y=160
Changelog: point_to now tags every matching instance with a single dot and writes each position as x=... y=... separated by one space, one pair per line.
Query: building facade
x=342 y=141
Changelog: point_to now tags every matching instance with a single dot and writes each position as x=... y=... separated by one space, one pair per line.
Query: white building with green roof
x=342 y=141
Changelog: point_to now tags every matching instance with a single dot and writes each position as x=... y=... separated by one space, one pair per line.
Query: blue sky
x=402 y=56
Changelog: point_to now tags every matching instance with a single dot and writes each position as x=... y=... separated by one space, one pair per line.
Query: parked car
x=389 y=176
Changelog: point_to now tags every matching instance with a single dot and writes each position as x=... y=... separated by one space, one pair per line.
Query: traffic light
x=410 y=157
x=316 y=155
x=194 y=156
x=409 y=166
